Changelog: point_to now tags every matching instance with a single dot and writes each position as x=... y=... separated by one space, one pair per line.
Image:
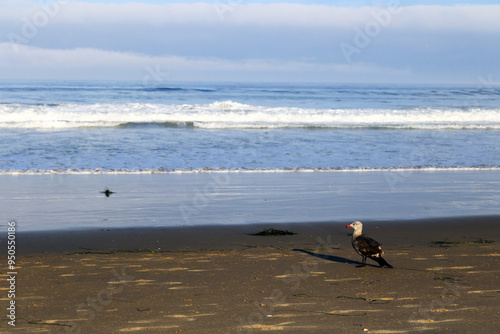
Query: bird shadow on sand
x=333 y=258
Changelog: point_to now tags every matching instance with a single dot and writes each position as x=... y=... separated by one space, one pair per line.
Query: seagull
x=366 y=247
x=107 y=192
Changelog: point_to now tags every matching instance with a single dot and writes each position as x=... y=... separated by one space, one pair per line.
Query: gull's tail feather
x=382 y=262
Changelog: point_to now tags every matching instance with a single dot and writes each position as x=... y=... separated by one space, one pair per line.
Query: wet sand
x=221 y=279
x=67 y=201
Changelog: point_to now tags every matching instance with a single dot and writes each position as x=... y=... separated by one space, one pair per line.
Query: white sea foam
x=233 y=115
x=236 y=170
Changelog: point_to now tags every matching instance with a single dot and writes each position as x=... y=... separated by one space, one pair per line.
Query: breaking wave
x=233 y=115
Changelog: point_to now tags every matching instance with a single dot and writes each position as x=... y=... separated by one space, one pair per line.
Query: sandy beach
x=146 y=146
x=222 y=279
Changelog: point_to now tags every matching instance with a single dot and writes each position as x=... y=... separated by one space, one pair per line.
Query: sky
x=260 y=41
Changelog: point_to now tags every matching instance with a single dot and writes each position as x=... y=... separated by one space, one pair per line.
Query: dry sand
x=220 y=279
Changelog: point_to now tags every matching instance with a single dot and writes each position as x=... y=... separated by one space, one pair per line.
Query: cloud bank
x=88 y=64
x=267 y=42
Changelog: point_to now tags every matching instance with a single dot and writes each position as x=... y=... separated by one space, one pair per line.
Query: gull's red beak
x=348 y=226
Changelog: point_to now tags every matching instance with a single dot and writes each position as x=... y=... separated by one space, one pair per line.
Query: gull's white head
x=356 y=225
x=358 y=228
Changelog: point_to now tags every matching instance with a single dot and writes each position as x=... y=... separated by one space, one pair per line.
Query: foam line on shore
x=236 y=170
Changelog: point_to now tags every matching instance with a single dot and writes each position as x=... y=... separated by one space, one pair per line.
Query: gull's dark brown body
x=367 y=247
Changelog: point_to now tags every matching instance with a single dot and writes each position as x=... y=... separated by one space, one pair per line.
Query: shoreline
x=220 y=237
x=54 y=202
x=243 y=171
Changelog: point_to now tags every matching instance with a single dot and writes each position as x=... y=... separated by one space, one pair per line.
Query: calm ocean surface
x=129 y=127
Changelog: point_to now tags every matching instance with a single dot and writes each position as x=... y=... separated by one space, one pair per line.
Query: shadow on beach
x=333 y=258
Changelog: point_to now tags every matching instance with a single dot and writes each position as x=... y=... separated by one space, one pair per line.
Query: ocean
x=75 y=127
x=239 y=153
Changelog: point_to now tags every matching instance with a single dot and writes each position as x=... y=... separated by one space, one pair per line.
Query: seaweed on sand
x=271 y=232
x=452 y=243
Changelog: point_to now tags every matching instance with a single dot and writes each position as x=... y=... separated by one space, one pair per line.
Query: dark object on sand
x=107 y=192
x=271 y=232
x=366 y=247
x=454 y=243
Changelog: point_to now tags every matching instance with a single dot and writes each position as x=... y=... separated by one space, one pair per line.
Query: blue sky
x=348 y=3
x=236 y=40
